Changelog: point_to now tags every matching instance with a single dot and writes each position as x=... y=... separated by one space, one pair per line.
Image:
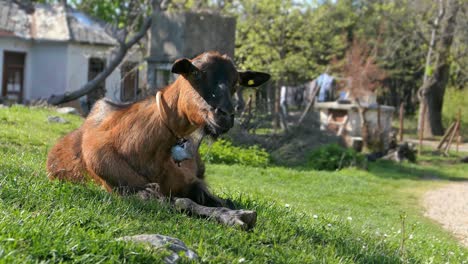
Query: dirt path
x=449 y=207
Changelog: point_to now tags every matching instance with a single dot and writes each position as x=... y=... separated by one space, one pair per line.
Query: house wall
x=58 y=67
x=49 y=69
x=19 y=45
x=77 y=68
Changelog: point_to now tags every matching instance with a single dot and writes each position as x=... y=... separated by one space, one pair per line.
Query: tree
x=360 y=67
x=437 y=70
x=390 y=30
x=132 y=21
x=400 y=32
x=293 y=42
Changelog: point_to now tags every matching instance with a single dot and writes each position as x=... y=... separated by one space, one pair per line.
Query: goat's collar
x=182 y=149
x=162 y=113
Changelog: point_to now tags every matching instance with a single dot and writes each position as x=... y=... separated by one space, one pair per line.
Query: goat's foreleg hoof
x=244 y=219
x=150 y=192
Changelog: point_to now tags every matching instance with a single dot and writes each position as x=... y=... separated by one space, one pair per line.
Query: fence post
x=458 y=130
x=402 y=113
x=421 y=129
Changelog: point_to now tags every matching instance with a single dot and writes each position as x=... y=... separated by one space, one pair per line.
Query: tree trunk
x=437 y=73
x=276 y=109
x=283 y=111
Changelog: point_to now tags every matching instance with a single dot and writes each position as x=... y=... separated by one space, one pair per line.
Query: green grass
x=351 y=216
x=454 y=101
x=410 y=126
x=222 y=151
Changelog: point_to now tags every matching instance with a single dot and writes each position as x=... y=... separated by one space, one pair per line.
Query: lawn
x=304 y=216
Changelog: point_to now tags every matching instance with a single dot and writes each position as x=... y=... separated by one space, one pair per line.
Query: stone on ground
x=160 y=241
x=56 y=119
x=68 y=110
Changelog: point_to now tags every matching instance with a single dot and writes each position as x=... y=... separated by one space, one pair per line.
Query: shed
x=345 y=121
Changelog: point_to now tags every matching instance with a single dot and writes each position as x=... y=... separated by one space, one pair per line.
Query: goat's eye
x=197 y=75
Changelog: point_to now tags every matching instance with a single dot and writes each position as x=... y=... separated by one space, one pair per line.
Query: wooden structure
x=345 y=121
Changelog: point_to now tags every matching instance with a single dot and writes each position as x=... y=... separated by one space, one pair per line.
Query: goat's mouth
x=214 y=130
x=217 y=123
x=218 y=126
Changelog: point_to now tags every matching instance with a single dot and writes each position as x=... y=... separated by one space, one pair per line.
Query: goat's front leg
x=243 y=219
x=112 y=171
x=151 y=191
x=199 y=193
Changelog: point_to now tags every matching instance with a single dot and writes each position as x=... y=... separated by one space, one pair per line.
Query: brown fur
x=129 y=146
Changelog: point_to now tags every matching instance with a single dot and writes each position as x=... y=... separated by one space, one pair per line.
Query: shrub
x=454 y=100
x=222 y=151
x=334 y=157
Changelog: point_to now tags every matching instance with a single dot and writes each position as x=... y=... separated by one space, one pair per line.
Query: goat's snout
x=224 y=119
x=223 y=112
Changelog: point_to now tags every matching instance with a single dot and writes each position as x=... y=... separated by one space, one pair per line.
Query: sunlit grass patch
x=304 y=216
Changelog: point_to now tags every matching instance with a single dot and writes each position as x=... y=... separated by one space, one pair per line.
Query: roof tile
x=52 y=22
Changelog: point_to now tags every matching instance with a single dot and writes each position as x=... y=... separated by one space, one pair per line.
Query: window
x=129 y=81
x=163 y=75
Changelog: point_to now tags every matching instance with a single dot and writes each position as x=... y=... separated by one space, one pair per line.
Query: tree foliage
x=292 y=41
x=296 y=40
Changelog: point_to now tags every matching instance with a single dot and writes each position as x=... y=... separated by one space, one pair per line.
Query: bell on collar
x=181 y=151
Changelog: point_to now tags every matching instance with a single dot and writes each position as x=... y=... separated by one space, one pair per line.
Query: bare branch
x=119 y=55
x=116 y=60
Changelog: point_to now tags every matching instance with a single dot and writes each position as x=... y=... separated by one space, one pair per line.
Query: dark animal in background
x=396 y=153
x=125 y=148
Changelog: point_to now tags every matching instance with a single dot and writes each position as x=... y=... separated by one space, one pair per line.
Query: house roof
x=51 y=23
x=14 y=20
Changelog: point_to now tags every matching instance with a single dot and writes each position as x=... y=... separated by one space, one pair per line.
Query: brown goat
x=128 y=147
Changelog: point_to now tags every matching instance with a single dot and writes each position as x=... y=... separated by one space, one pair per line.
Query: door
x=129 y=77
x=13 y=76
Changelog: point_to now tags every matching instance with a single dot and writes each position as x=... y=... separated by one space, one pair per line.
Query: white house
x=52 y=49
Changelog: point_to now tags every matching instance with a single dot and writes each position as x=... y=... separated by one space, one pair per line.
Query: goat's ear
x=183 y=66
x=252 y=78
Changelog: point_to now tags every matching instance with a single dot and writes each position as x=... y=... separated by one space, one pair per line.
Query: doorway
x=13 y=76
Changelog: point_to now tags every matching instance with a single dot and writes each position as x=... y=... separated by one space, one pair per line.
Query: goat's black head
x=215 y=78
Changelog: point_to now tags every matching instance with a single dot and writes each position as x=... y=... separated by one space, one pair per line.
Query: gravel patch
x=449 y=207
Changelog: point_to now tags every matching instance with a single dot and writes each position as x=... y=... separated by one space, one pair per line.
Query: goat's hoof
x=151 y=191
x=244 y=219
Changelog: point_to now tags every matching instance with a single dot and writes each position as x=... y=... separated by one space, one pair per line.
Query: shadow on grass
x=392 y=170
x=430 y=166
